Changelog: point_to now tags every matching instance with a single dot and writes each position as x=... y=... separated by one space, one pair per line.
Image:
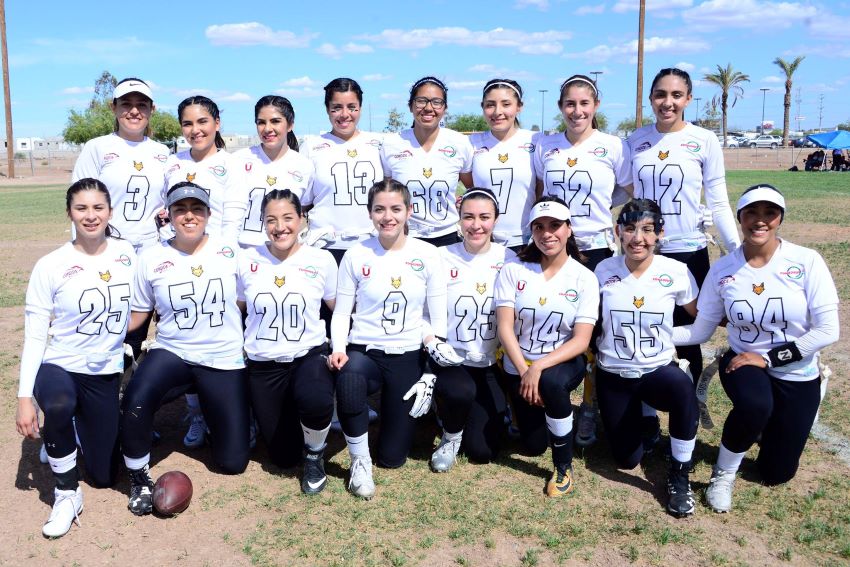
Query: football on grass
x=172 y=493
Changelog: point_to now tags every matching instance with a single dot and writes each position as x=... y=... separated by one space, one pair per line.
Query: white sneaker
x=360 y=482
x=67 y=506
x=719 y=491
x=445 y=457
x=197 y=431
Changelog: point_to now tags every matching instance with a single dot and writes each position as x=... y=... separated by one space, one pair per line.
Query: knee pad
x=351 y=392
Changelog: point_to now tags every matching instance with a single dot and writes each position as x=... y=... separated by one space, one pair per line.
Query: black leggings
x=698 y=264
x=470 y=399
x=555 y=386
x=666 y=388
x=93 y=400
x=223 y=395
x=780 y=410
x=286 y=395
x=367 y=372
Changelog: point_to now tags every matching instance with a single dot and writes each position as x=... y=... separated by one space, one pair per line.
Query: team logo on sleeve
x=296 y=175
x=572 y=162
x=248 y=166
x=161 y=158
x=611 y=281
x=664 y=279
x=551 y=152
x=110 y=157
x=727 y=279
x=375 y=143
x=520 y=285
x=449 y=151
x=352 y=153
x=366 y=270
x=527 y=147
x=599 y=151
x=692 y=146
x=218 y=170
x=124 y=259
x=163 y=266
x=71 y=272
x=226 y=251
x=637 y=302
x=503 y=158
x=794 y=272
x=570 y=295
x=197 y=271
x=453 y=272
x=416 y=265
x=758 y=289
x=481 y=288
x=497 y=266
x=309 y=271
x=402 y=155
x=395 y=282
x=271 y=180
x=663 y=155
x=279 y=281
x=427 y=172
x=481 y=150
x=190 y=177
x=138 y=165
x=643 y=147
x=105 y=276
x=254 y=267
x=322 y=146
x=542 y=301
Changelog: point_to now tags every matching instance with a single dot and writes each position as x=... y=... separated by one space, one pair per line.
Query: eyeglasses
x=421 y=102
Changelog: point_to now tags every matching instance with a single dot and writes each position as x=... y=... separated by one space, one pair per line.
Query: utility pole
x=763 y=95
x=697 y=99
x=10 y=139
x=596 y=77
x=798 y=100
x=820 y=113
x=542 y=108
x=639 y=94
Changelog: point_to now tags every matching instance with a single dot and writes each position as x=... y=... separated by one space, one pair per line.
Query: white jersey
x=431 y=177
x=769 y=306
x=293 y=171
x=390 y=288
x=345 y=170
x=672 y=170
x=507 y=168
x=283 y=300
x=222 y=175
x=637 y=313
x=88 y=299
x=584 y=176
x=472 y=315
x=545 y=312
x=134 y=173
x=195 y=298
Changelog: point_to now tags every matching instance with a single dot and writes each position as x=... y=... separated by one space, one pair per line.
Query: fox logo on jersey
x=572 y=162
x=638 y=302
x=271 y=180
x=663 y=155
x=278 y=281
x=542 y=301
x=396 y=282
x=138 y=165
x=758 y=289
x=190 y=177
x=503 y=158
x=105 y=276
x=481 y=287
x=351 y=153
x=426 y=171
x=197 y=271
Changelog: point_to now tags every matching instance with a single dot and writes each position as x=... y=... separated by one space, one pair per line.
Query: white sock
x=358 y=446
x=136 y=464
x=193 y=403
x=648 y=410
x=729 y=461
x=559 y=426
x=452 y=437
x=63 y=464
x=681 y=449
x=315 y=438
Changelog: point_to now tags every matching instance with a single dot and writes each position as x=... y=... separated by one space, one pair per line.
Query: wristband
x=784 y=354
x=767 y=362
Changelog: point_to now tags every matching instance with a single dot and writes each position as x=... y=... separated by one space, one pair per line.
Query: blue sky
x=236 y=52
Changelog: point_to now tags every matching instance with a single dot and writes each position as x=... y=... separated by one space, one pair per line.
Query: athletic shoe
x=42 y=454
x=719 y=491
x=313 y=479
x=141 y=491
x=197 y=433
x=561 y=482
x=680 y=497
x=650 y=433
x=67 y=506
x=586 y=425
x=360 y=482
x=445 y=457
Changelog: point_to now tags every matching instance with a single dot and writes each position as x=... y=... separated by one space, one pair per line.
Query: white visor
x=549 y=209
x=762 y=193
x=132 y=86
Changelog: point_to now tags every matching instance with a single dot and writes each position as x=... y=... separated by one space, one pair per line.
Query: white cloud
x=465 y=85
x=300 y=92
x=304 y=81
x=77 y=90
x=651 y=5
x=236 y=97
x=772 y=79
x=485 y=68
x=329 y=50
x=357 y=48
x=377 y=77
x=525 y=42
x=752 y=14
x=828 y=26
x=685 y=66
x=590 y=9
x=255 y=33
x=541 y=5
x=678 y=45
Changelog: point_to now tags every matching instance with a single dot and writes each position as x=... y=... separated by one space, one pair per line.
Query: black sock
x=68 y=480
x=562 y=450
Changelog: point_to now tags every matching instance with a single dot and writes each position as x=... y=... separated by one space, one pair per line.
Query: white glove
x=443 y=353
x=424 y=391
x=706 y=217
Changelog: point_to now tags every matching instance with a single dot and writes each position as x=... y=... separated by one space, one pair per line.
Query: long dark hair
x=531 y=253
x=210 y=107
x=90 y=184
x=283 y=106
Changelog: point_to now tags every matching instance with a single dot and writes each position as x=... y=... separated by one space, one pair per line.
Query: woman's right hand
x=337 y=360
x=26 y=418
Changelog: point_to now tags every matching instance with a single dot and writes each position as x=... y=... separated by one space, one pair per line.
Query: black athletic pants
x=698 y=264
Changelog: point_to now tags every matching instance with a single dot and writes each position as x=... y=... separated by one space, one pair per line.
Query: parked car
x=766 y=141
x=802 y=143
x=735 y=141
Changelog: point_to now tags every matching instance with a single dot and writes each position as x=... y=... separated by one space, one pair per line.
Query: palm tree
x=729 y=80
x=788 y=69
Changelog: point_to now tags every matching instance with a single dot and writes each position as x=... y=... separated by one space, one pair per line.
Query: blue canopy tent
x=835 y=140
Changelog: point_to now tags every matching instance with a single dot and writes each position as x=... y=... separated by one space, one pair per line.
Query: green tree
x=467 y=123
x=104 y=86
x=601 y=120
x=843 y=125
x=788 y=67
x=627 y=125
x=394 y=121
x=164 y=126
x=729 y=80
x=710 y=116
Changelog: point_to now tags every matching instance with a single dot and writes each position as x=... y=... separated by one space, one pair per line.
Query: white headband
x=761 y=193
x=487 y=194
x=552 y=209
x=503 y=84
x=580 y=80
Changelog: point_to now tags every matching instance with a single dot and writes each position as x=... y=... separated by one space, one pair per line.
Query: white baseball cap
x=552 y=209
x=762 y=192
x=128 y=86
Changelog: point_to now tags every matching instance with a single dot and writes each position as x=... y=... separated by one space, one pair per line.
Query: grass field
x=492 y=514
